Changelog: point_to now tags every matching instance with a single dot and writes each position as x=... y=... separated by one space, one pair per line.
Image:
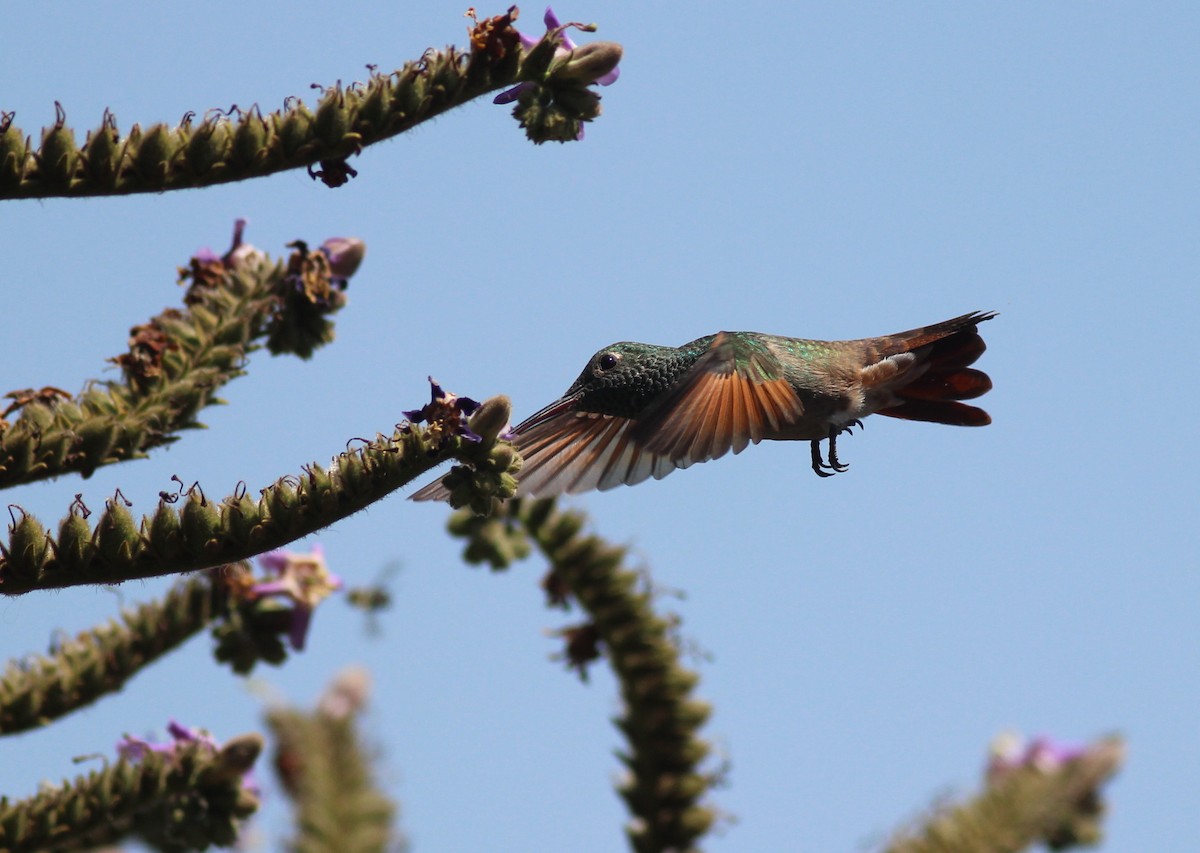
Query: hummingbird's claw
x=834 y=465
x=833 y=458
x=817 y=462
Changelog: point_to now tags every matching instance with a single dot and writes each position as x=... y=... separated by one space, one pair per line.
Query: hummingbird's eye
x=607 y=361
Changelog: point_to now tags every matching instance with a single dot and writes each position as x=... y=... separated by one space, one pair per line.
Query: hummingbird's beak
x=558 y=407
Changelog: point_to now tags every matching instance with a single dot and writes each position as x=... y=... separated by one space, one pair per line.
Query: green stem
x=176 y=364
x=36 y=691
x=204 y=534
x=246 y=144
x=661 y=719
x=327 y=773
x=192 y=797
x=1060 y=807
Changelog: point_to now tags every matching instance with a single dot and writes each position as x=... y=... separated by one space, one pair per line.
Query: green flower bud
x=38 y=415
x=251 y=140
x=373 y=111
x=478 y=551
x=461 y=524
x=117 y=537
x=491 y=418
x=410 y=91
x=588 y=63
x=18 y=449
x=537 y=512
x=26 y=551
x=93 y=443
x=235 y=759
x=165 y=536
x=52 y=450
x=102 y=153
x=75 y=812
x=74 y=549
x=295 y=129
x=696 y=820
x=205 y=151
x=154 y=153
x=567 y=527
x=507 y=486
x=332 y=121
x=13 y=152
x=504 y=459
x=484 y=506
x=693 y=713
x=58 y=155
x=200 y=523
x=319 y=483
x=242 y=516
x=282 y=500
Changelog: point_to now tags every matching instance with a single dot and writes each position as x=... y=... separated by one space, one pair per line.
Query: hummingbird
x=642 y=410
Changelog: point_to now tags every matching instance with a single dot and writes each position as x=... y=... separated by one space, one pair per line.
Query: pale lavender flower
x=302 y=578
x=344 y=254
x=239 y=251
x=1010 y=752
x=564 y=48
x=347 y=694
x=135 y=748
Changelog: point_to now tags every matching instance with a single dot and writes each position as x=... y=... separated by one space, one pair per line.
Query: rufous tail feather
x=946 y=350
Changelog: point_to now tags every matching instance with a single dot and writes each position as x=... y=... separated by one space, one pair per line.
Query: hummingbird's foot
x=833 y=466
x=847 y=428
x=817 y=462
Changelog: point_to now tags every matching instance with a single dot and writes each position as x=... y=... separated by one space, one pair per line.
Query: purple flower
x=1048 y=755
x=239 y=252
x=302 y=578
x=206 y=267
x=135 y=748
x=347 y=694
x=563 y=50
x=344 y=254
x=445 y=413
x=1010 y=752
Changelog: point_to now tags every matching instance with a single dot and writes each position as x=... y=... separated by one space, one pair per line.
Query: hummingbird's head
x=623 y=378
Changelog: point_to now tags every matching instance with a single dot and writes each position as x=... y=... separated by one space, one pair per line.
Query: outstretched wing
x=568 y=451
x=736 y=394
x=576 y=452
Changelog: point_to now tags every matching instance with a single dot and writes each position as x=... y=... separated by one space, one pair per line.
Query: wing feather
x=739 y=421
x=576 y=452
x=736 y=394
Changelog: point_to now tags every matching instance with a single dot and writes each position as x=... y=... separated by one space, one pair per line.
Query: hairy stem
x=36 y=691
x=661 y=719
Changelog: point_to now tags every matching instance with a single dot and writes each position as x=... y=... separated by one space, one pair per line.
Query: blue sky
x=829 y=170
